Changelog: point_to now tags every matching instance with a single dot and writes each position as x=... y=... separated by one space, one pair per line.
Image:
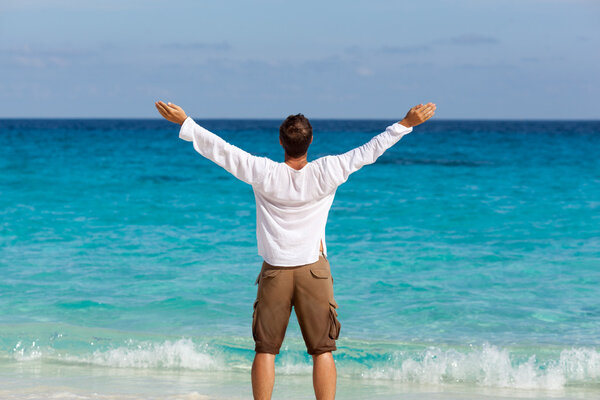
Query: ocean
x=466 y=262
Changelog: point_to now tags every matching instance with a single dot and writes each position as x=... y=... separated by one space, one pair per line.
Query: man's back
x=291 y=213
x=291 y=205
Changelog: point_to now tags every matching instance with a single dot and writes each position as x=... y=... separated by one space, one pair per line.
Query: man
x=293 y=199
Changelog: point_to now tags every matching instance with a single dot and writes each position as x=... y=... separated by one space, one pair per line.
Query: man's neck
x=296 y=162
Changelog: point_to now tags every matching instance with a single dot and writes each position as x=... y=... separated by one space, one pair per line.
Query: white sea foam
x=292 y=363
x=178 y=354
x=23 y=352
x=580 y=364
x=490 y=366
x=183 y=353
x=482 y=366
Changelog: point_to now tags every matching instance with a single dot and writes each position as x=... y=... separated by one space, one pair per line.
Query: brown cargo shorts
x=309 y=289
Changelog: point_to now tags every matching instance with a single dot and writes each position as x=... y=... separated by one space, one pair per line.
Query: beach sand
x=34 y=381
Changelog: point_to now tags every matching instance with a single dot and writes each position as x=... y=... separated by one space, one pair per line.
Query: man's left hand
x=171 y=112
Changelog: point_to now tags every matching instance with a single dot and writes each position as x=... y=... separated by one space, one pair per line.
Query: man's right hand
x=171 y=112
x=418 y=114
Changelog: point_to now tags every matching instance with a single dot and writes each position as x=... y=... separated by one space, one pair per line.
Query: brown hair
x=295 y=134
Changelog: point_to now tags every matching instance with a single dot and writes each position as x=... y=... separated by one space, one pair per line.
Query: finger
x=429 y=114
x=175 y=106
x=165 y=115
x=161 y=112
x=158 y=107
x=169 y=109
x=163 y=107
x=426 y=109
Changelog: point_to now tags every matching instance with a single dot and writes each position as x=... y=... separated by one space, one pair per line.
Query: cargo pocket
x=254 y=319
x=320 y=273
x=334 y=324
x=270 y=273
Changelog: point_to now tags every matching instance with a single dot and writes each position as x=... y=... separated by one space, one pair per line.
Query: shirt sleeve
x=244 y=166
x=338 y=168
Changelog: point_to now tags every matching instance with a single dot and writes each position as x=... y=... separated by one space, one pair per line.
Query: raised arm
x=244 y=166
x=338 y=168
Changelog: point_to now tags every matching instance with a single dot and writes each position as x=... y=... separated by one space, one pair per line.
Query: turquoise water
x=468 y=254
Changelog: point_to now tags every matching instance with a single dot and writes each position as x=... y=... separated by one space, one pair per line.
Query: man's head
x=295 y=135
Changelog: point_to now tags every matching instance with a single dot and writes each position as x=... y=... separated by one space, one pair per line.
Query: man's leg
x=315 y=308
x=272 y=309
x=324 y=376
x=263 y=376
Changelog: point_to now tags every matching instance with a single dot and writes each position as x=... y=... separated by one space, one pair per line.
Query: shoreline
x=86 y=362
x=42 y=380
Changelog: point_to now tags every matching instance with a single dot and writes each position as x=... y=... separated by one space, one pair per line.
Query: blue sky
x=525 y=59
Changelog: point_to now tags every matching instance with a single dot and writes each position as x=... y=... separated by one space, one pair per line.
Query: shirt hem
x=287 y=263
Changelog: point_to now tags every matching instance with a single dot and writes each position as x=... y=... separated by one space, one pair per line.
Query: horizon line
x=310 y=119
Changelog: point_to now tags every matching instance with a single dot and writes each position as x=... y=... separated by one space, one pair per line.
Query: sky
x=476 y=59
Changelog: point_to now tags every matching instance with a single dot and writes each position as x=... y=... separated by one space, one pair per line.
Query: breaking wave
x=483 y=366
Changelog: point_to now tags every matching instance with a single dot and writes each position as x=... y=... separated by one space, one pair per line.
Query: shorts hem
x=265 y=349
x=322 y=350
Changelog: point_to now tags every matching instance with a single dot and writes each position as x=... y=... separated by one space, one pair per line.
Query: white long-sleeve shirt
x=291 y=205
